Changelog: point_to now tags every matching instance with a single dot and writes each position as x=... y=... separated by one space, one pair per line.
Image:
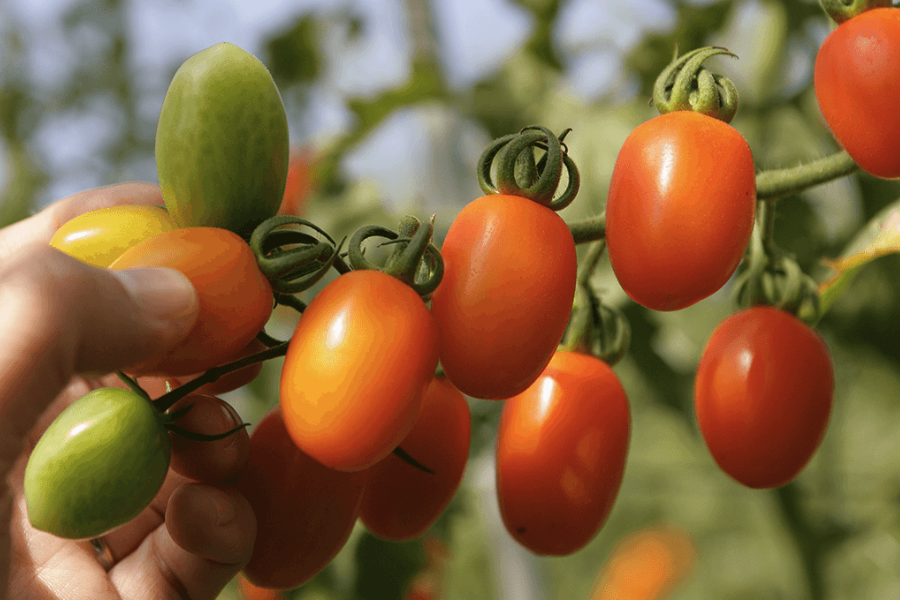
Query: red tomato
x=304 y=511
x=680 y=209
x=506 y=295
x=561 y=449
x=857 y=80
x=763 y=395
x=235 y=297
x=299 y=182
x=357 y=368
x=401 y=502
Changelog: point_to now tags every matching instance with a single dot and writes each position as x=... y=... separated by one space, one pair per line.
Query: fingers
x=209 y=461
x=208 y=536
x=42 y=226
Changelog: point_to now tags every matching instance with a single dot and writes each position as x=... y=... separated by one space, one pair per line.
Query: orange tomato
x=235 y=298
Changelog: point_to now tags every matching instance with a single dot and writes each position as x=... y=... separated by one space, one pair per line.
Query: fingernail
x=161 y=292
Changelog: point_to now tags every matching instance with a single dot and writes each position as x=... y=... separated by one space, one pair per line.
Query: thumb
x=60 y=317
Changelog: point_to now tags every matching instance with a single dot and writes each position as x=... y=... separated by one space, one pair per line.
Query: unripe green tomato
x=222 y=142
x=99 y=237
x=97 y=466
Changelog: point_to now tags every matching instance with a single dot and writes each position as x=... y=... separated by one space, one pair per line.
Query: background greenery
x=834 y=533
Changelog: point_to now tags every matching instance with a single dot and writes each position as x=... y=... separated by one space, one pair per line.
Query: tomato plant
x=857 y=79
x=357 y=369
x=680 y=210
x=561 y=449
x=304 y=511
x=763 y=395
x=401 y=501
x=222 y=141
x=506 y=294
x=98 y=465
x=235 y=297
x=101 y=236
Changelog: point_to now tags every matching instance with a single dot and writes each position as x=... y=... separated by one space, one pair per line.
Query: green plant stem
x=165 y=402
x=770 y=185
x=783 y=182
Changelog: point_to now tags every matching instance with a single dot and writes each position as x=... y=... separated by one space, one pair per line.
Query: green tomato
x=98 y=465
x=99 y=237
x=222 y=142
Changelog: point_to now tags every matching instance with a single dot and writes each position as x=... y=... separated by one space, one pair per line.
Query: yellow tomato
x=99 y=237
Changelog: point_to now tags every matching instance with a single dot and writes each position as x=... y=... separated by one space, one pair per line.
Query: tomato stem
x=776 y=183
x=133 y=384
x=165 y=402
x=685 y=84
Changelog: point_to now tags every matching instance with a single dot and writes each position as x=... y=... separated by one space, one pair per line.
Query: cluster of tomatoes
x=391 y=451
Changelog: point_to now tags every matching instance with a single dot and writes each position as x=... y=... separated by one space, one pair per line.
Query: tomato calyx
x=519 y=174
x=844 y=10
x=772 y=277
x=404 y=455
x=685 y=84
x=415 y=260
x=292 y=260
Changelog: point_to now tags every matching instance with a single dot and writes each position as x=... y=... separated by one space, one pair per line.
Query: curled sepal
x=414 y=260
x=844 y=10
x=773 y=278
x=519 y=175
x=203 y=437
x=293 y=260
x=686 y=85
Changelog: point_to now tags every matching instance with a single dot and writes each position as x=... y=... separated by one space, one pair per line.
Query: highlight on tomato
x=357 y=368
x=402 y=501
x=100 y=236
x=857 y=81
x=561 y=450
x=235 y=298
x=304 y=510
x=763 y=395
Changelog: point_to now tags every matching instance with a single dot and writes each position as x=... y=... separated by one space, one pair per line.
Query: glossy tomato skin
x=357 y=368
x=304 y=511
x=763 y=395
x=680 y=210
x=561 y=450
x=401 y=502
x=506 y=295
x=235 y=297
x=99 y=237
x=857 y=81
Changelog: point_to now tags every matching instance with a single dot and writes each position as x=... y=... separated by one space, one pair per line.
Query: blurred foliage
x=834 y=533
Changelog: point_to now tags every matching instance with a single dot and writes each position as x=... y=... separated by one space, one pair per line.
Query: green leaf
x=880 y=237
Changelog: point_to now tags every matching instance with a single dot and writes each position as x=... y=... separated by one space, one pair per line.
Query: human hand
x=65 y=327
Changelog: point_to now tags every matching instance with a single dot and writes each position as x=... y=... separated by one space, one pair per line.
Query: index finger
x=42 y=226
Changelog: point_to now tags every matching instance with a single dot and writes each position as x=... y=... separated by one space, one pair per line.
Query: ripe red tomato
x=235 y=297
x=561 y=449
x=763 y=395
x=304 y=511
x=680 y=209
x=506 y=295
x=401 y=502
x=357 y=368
x=857 y=79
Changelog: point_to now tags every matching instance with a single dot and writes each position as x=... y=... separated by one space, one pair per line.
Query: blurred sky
x=474 y=37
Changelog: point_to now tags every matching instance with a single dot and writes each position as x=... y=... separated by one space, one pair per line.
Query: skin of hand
x=65 y=327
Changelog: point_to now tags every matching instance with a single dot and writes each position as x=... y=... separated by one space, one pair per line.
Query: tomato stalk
x=776 y=183
x=844 y=10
